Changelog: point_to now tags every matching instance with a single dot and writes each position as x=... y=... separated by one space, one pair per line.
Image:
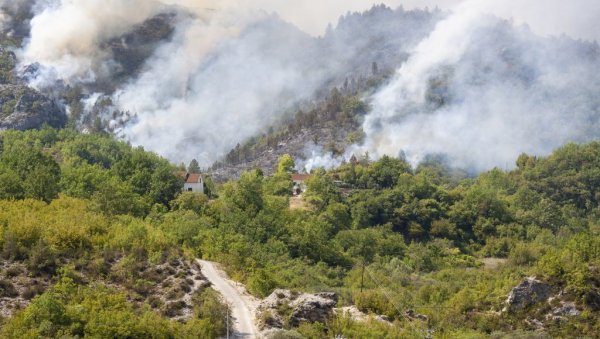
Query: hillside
x=518 y=88
x=278 y=70
x=405 y=173
x=107 y=244
x=330 y=127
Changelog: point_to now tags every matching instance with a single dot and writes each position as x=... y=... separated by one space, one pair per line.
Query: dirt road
x=242 y=304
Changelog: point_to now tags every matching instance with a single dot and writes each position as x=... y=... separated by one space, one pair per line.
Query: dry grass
x=492 y=263
x=297 y=203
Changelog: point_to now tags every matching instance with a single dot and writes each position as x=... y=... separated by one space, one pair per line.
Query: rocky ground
x=300 y=146
x=18 y=287
x=284 y=309
x=168 y=288
x=544 y=303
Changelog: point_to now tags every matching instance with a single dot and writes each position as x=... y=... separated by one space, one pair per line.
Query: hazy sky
x=577 y=18
x=328 y=11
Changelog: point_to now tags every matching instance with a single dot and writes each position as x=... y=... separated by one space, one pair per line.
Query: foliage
x=67 y=310
x=386 y=237
x=119 y=179
x=193 y=167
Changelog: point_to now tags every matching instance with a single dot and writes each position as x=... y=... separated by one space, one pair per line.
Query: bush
x=41 y=259
x=261 y=283
x=174 y=309
x=208 y=305
x=7 y=289
x=32 y=290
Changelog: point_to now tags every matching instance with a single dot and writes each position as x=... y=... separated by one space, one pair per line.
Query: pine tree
x=194 y=167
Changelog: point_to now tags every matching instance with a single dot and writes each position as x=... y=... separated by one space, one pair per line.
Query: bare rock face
x=566 y=310
x=528 y=293
x=23 y=108
x=284 y=307
x=312 y=308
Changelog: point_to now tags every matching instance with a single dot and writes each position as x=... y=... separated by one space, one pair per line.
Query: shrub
x=41 y=259
x=261 y=283
x=174 y=309
x=7 y=289
x=32 y=290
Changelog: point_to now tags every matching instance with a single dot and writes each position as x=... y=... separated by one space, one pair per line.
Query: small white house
x=299 y=183
x=193 y=183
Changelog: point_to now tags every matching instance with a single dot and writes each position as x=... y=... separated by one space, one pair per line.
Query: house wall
x=196 y=187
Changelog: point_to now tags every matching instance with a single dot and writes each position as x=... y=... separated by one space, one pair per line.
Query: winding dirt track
x=242 y=304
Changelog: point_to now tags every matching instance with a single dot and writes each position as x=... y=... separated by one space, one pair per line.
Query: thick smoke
x=476 y=88
x=14 y=17
x=208 y=103
x=481 y=91
x=227 y=72
x=188 y=102
x=67 y=38
x=220 y=78
x=66 y=34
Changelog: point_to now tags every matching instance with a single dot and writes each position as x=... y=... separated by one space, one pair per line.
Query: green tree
x=38 y=171
x=321 y=190
x=189 y=201
x=285 y=164
x=193 y=167
x=11 y=186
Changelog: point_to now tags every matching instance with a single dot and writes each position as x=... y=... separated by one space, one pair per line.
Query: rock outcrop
x=284 y=308
x=528 y=293
x=357 y=315
x=23 y=108
x=545 y=305
x=565 y=310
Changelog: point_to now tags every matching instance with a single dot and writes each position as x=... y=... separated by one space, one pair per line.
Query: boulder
x=528 y=293
x=566 y=309
x=560 y=313
x=284 y=307
x=311 y=308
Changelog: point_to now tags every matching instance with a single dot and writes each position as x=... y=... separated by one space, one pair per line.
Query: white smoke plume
x=317 y=158
x=187 y=101
x=65 y=35
x=231 y=68
x=481 y=91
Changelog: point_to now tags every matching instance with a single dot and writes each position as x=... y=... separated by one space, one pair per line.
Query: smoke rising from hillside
x=66 y=35
x=228 y=71
x=186 y=101
x=481 y=91
x=201 y=92
x=478 y=89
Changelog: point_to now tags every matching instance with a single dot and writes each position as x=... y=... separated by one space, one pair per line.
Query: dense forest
x=90 y=228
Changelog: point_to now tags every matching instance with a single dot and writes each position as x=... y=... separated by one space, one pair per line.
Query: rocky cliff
x=23 y=108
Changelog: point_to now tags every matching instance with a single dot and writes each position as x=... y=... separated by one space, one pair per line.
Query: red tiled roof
x=193 y=178
x=300 y=177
